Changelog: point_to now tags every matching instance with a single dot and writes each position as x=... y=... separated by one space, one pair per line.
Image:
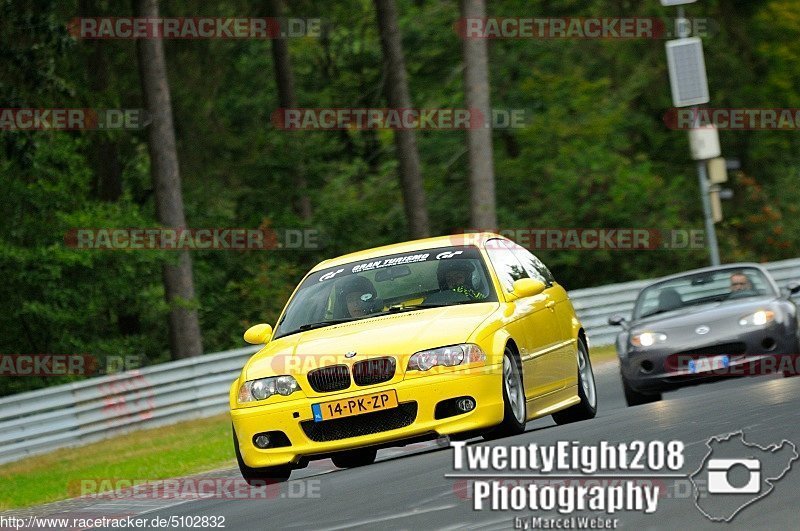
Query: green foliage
x=594 y=152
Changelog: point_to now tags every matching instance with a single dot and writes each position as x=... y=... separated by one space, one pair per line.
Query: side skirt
x=552 y=402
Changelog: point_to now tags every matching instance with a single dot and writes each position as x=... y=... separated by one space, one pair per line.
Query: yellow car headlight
x=446 y=357
x=759 y=318
x=647 y=339
x=264 y=388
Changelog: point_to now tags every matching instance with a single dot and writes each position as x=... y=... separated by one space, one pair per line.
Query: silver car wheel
x=587 y=377
x=513 y=387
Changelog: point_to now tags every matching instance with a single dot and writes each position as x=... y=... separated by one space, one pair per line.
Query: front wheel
x=635 y=398
x=257 y=477
x=355 y=458
x=514 y=410
x=587 y=391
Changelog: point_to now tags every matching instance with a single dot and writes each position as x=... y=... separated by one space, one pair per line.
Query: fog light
x=451 y=407
x=261 y=441
x=465 y=404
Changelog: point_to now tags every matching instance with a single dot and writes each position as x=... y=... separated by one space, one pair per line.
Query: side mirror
x=527 y=287
x=258 y=334
x=793 y=287
x=616 y=320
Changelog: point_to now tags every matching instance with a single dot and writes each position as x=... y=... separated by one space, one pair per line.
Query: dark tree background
x=594 y=152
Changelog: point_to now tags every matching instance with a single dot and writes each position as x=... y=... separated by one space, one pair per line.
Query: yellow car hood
x=399 y=335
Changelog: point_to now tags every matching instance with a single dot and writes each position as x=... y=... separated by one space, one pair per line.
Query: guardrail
x=94 y=409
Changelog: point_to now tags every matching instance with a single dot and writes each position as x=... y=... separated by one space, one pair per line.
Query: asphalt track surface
x=407 y=488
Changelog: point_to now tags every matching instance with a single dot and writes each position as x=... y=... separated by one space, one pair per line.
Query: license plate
x=358 y=405
x=713 y=363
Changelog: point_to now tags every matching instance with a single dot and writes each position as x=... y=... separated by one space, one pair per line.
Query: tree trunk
x=405 y=140
x=479 y=139
x=184 y=327
x=103 y=153
x=284 y=79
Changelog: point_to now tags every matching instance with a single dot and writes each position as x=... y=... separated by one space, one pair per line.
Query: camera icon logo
x=736 y=473
x=719 y=471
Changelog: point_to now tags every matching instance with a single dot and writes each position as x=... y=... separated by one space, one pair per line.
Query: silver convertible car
x=705 y=325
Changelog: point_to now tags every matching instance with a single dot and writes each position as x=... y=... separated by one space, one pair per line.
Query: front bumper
x=418 y=398
x=653 y=370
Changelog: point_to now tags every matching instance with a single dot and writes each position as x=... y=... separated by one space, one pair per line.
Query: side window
x=505 y=264
x=533 y=266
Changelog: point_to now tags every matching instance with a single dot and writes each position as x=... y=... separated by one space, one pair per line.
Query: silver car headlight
x=264 y=388
x=446 y=357
x=647 y=339
x=759 y=318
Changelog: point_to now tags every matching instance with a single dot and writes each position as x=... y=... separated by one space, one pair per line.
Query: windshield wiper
x=397 y=308
x=706 y=300
x=320 y=324
x=658 y=312
x=403 y=308
x=717 y=298
x=328 y=322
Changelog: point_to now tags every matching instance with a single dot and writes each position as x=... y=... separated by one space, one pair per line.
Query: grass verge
x=159 y=453
x=603 y=354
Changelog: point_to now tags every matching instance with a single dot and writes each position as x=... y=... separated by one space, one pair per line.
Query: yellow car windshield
x=417 y=280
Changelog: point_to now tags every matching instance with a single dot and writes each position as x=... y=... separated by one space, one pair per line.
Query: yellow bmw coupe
x=460 y=335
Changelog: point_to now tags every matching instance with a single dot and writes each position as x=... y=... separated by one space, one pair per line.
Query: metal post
x=683 y=29
x=711 y=233
x=702 y=173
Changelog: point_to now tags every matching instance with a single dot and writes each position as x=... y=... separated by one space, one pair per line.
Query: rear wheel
x=260 y=476
x=587 y=391
x=515 y=409
x=355 y=458
x=635 y=398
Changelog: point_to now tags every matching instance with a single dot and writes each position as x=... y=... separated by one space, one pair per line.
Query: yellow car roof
x=478 y=238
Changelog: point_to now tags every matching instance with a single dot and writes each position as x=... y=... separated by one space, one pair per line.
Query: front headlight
x=647 y=339
x=264 y=388
x=759 y=318
x=446 y=357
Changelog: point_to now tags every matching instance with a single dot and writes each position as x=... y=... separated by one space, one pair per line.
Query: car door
x=531 y=323
x=565 y=348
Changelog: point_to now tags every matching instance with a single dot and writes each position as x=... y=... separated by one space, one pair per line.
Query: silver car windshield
x=427 y=278
x=701 y=288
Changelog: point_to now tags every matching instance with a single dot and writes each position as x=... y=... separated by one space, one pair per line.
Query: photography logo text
x=487 y=466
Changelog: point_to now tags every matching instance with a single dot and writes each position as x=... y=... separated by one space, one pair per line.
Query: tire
x=515 y=410
x=587 y=391
x=355 y=458
x=635 y=398
x=258 y=477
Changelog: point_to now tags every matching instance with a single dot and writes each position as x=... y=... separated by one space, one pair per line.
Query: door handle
x=550 y=305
